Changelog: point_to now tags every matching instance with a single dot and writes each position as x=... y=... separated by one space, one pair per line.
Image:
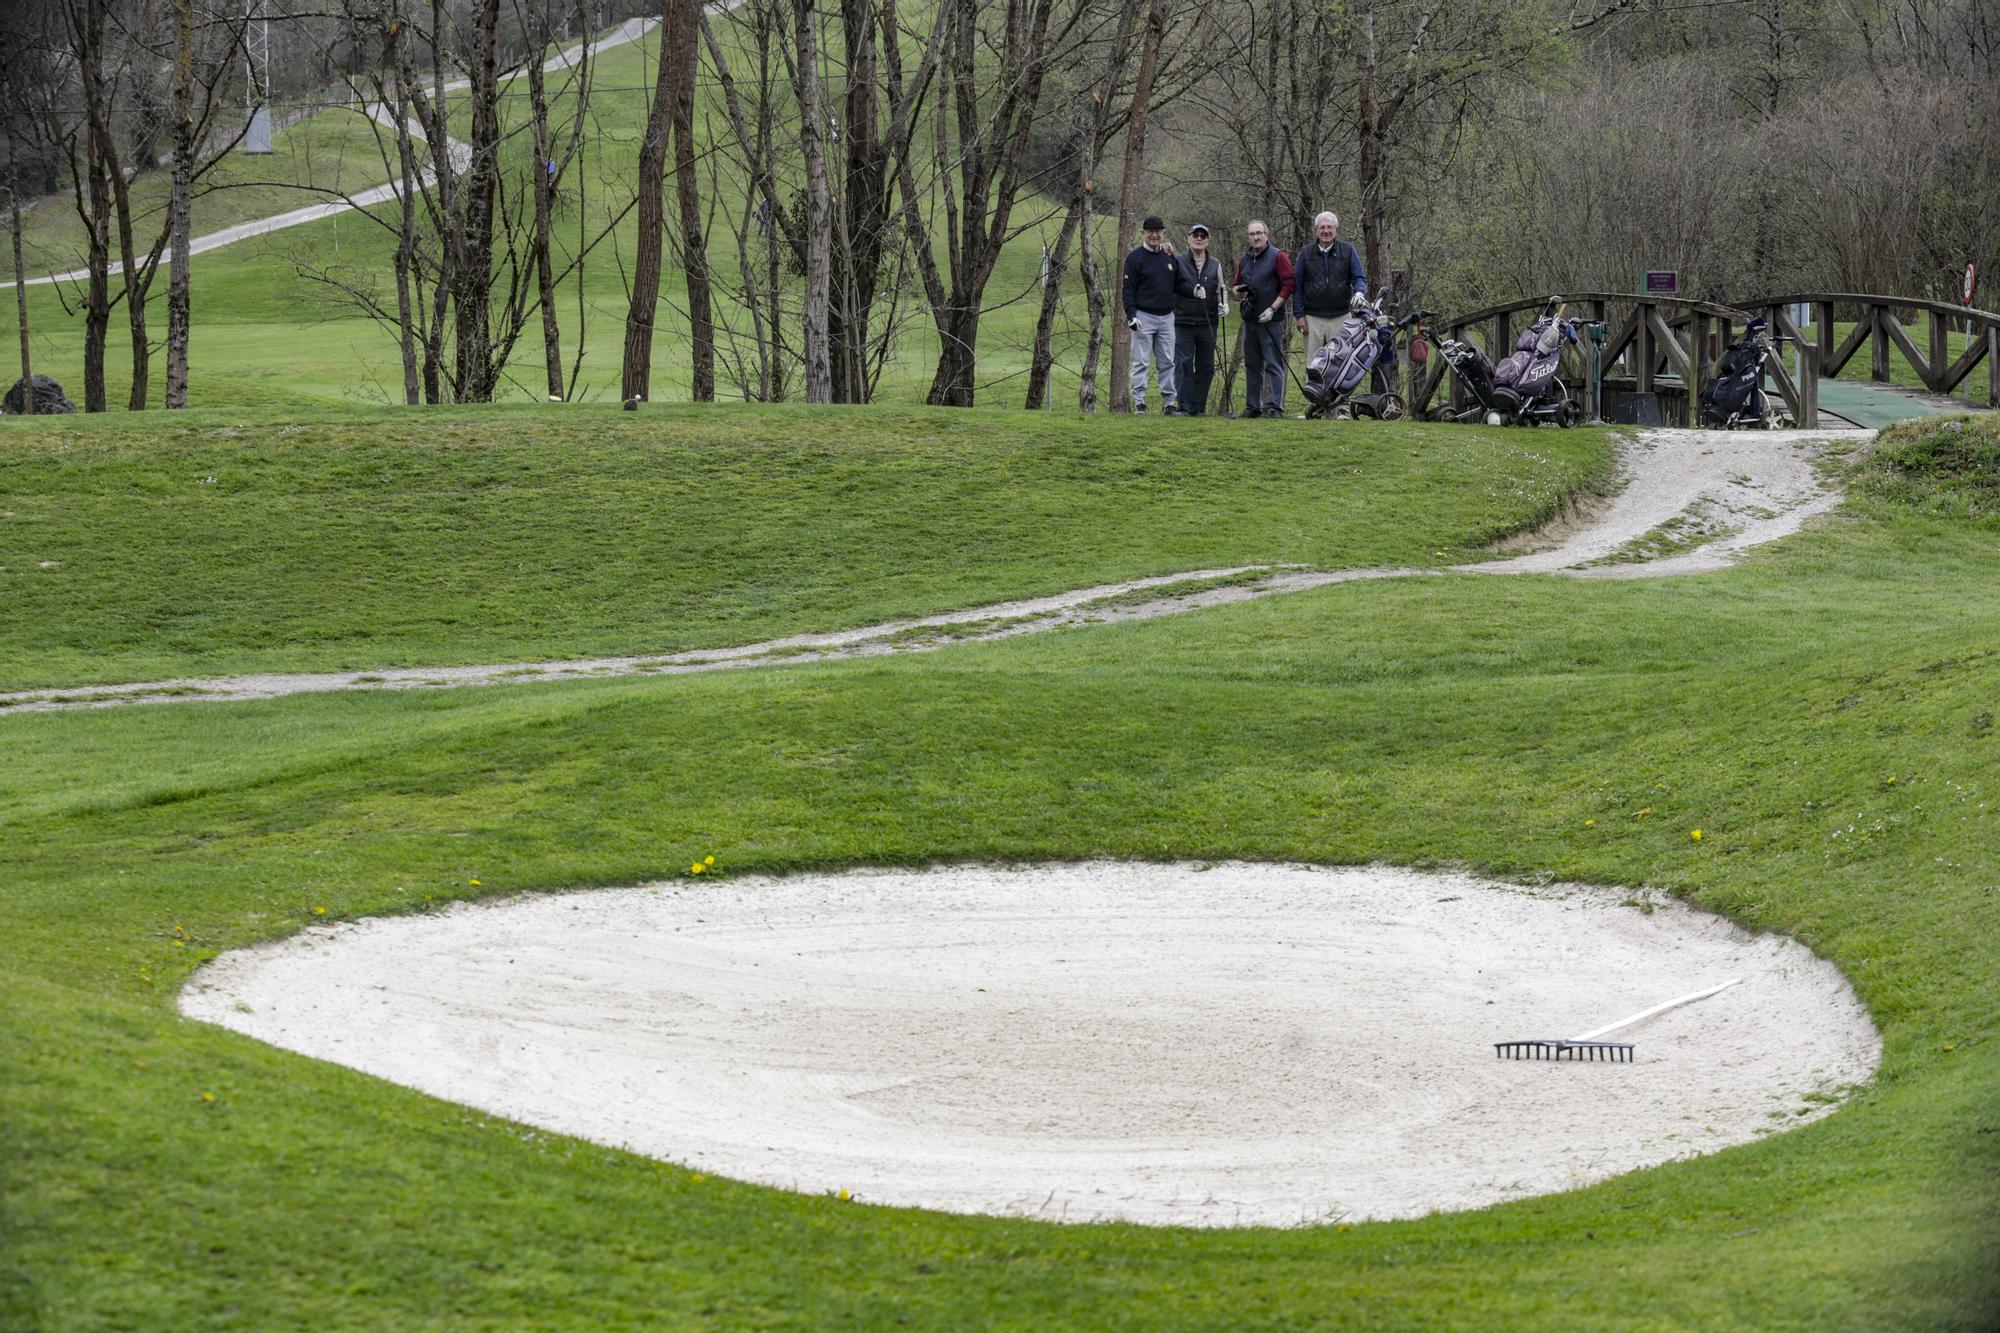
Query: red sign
x=1970 y=284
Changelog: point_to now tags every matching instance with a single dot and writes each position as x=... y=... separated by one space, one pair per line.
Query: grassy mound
x=135 y=548
x=1942 y=467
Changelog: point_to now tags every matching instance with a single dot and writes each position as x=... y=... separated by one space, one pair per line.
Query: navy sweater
x=1154 y=283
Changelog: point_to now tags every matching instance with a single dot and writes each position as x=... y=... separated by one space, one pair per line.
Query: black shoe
x=1138 y=409
x=1175 y=412
x=1251 y=414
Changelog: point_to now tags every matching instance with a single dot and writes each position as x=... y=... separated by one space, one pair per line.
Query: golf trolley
x=1735 y=398
x=1524 y=389
x=1365 y=341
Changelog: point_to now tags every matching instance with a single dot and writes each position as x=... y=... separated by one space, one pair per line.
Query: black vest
x=1260 y=275
x=1326 y=281
x=1205 y=309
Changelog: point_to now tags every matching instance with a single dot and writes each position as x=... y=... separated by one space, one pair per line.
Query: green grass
x=137 y=548
x=1824 y=713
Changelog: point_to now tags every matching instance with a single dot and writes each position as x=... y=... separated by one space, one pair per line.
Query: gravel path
x=1690 y=502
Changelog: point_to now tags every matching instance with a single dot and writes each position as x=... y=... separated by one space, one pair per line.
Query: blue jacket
x=1327 y=282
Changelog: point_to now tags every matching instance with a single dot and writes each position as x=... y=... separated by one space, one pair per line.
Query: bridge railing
x=1662 y=336
x=1657 y=335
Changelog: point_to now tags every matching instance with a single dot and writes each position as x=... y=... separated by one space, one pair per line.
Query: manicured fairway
x=1824 y=714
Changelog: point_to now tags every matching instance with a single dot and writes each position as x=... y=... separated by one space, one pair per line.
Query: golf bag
x=1524 y=389
x=1735 y=396
x=1365 y=341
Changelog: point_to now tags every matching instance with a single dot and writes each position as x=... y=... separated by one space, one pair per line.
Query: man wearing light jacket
x=1329 y=278
x=1154 y=284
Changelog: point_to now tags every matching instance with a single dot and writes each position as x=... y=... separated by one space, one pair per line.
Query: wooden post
x=1808 y=386
x=1643 y=345
x=1697 y=364
x=1823 y=329
x=1993 y=365
x=1878 y=343
x=1503 y=336
x=1940 y=350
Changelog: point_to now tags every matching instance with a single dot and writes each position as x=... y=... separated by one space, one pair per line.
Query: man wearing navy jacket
x=1329 y=276
x=1154 y=284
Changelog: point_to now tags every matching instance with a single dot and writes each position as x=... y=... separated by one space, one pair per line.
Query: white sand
x=1166 y=1044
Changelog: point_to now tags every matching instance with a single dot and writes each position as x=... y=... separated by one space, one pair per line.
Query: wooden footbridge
x=1661 y=350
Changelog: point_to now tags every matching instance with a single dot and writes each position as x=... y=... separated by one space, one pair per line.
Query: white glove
x=1268 y=315
x=1200 y=292
x=1133 y=323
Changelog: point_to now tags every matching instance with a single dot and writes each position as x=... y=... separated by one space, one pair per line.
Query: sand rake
x=1587 y=1047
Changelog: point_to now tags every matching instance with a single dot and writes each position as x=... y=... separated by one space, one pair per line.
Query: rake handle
x=1656 y=1009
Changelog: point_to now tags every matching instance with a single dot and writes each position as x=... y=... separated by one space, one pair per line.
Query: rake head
x=1556 y=1049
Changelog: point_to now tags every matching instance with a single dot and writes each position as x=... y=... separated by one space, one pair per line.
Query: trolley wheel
x=1443 y=414
x=1389 y=407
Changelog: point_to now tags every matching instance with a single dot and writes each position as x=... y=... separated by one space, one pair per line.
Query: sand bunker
x=1213 y=1046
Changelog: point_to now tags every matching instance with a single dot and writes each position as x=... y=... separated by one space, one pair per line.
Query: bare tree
x=677 y=46
x=636 y=381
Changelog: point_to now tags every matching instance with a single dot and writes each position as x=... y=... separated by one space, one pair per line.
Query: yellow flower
x=709 y=860
x=1590 y=823
x=319 y=911
x=696 y=868
x=845 y=1196
x=1696 y=835
x=473 y=882
x=180 y=944
x=208 y=1096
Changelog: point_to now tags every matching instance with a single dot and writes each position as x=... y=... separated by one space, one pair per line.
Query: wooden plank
x=1823 y=334
x=1677 y=356
x=1831 y=358
x=1940 y=351
x=1878 y=343
x=1993 y=365
x=1697 y=367
x=1955 y=374
x=1893 y=329
x=1643 y=346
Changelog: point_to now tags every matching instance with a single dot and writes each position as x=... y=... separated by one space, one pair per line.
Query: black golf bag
x=1735 y=396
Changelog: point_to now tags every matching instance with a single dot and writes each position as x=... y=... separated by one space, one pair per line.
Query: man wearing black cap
x=1196 y=318
x=1154 y=284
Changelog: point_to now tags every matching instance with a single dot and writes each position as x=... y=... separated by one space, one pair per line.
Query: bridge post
x=1823 y=329
x=1808 y=386
x=1940 y=350
x=1878 y=342
x=1644 y=353
x=1993 y=365
x=1697 y=364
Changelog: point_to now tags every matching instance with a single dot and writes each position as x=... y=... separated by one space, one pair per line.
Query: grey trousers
x=1153 y=342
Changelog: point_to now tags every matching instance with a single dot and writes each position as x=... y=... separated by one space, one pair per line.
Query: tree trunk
x=472 y=270
x=1128 y=197
x=639 y=315
x=1374 y=157
x=1093 y=297
x=406 y=230
x=88 y=32
x=678 y=44
x=179 y=207
x=544 y=178
x=1042 y=360
x=819 y=206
